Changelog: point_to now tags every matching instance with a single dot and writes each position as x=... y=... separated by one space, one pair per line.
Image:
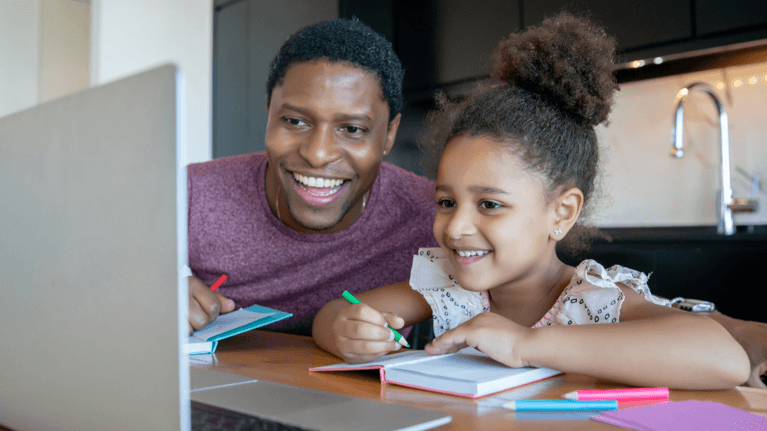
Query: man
x=318 y=213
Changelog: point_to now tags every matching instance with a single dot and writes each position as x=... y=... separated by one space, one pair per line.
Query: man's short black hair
x=346 y=41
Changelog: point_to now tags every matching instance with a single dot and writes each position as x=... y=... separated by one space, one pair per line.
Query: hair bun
x=568 y=60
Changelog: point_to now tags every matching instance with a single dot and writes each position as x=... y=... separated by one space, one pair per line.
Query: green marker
x=397 y=337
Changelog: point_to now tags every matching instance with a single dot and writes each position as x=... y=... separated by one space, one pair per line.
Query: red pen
x=218 y=283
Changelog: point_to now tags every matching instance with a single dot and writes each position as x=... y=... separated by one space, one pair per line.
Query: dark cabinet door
x=718 y=270
x=448 y=41
x=716 y=16
x=634 y=23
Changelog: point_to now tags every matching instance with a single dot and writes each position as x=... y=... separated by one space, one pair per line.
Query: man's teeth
x=472 y=253
x=322 y=183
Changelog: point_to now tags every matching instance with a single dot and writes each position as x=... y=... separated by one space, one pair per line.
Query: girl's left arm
x=652 y=345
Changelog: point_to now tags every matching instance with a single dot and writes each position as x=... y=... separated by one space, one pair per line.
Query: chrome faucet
x=724 y=202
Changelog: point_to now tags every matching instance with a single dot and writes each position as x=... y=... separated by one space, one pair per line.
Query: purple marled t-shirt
x=233 y=232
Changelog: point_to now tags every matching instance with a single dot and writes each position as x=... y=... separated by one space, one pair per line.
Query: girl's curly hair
x=555 y=84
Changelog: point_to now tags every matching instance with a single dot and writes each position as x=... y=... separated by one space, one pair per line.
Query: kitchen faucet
x=724 y=202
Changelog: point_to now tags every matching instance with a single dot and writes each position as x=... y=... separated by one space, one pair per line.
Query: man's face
x=327 y=132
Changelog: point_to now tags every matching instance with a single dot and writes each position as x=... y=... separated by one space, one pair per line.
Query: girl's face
x=493 y=220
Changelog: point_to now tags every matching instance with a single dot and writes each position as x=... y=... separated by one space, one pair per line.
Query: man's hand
x=205 y=305
x=361 y=334
x=752 y=336
x=494 y=335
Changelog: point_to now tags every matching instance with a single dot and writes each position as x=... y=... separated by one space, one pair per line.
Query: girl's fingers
x=394 y=321
x=356 y=351
x=449 y=342
x=364 y=330
x=362 y=333
x=364 y=313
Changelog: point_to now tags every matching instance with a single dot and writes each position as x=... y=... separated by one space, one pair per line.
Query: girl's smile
x=469 y=257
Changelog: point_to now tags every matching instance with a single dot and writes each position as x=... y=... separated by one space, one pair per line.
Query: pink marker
x=630 y=394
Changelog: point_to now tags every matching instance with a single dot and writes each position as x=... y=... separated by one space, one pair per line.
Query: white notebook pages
x=469 y=373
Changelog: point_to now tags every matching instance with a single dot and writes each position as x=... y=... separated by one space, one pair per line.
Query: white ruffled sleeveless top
x=592 y=296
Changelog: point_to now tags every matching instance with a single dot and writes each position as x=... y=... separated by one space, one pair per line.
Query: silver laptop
x=92 y=238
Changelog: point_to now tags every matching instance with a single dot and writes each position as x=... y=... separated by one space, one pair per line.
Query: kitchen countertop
x=743 y=234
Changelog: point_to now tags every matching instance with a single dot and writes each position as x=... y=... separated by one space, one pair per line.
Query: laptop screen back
x=92 y=236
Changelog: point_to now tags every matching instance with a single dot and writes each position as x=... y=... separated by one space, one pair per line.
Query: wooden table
x=287 y=358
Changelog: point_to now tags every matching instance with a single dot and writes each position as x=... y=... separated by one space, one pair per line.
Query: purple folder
x=685 y=415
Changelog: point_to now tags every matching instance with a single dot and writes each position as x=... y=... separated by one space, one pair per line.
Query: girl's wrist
x=530 y=347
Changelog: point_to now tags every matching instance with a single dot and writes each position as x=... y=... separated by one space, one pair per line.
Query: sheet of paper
x=683 y=416
x=229 y=321
x=468 y=364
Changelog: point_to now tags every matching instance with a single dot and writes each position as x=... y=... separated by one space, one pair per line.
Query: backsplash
x=643 y=185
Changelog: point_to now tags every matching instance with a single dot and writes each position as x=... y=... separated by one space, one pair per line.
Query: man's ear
x=391 y=134
x=567 y=208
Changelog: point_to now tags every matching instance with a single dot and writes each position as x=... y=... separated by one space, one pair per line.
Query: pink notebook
x=685 y=415
x=468 y=373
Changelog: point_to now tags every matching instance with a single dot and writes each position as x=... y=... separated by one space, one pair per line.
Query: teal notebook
x=227 y=325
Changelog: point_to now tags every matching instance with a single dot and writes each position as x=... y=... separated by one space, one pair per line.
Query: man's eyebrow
x=295 y=108
x=341 y=117
x=350 y=117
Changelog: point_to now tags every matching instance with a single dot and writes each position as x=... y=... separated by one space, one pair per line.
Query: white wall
x=19 y=55
x=132 y=36
x=645 y=186
x=44 y=51
x=64 y=47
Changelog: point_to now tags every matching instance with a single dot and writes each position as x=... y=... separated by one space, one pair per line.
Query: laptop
x=92 y=241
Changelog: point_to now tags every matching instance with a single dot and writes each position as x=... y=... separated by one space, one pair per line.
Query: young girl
x=518 y=163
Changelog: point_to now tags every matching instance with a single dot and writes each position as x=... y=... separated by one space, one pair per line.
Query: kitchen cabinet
x=717 y=16
x=440 y=41
x=451 y=41
x=634 y=23
x=447 y=42
x=692 y=262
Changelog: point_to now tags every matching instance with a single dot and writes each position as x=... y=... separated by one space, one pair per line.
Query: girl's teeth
x=472 y=253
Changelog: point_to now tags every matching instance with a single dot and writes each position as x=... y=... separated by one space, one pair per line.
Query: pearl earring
x=557 y=231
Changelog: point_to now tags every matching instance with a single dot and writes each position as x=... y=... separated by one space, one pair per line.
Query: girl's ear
x=567 y=208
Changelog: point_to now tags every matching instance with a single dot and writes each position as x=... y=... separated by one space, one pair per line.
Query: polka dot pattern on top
x=592 y=296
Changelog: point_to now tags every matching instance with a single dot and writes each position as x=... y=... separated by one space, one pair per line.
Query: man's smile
x=318 y=191
x=319 y=186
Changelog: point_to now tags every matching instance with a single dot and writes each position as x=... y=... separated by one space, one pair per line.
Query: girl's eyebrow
x=488 y=190
x=475 y=189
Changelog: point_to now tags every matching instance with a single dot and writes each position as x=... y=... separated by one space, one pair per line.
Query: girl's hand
x=360 y=333
x=496 y=336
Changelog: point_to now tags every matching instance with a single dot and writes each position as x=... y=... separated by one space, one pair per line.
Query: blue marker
x=559 y=405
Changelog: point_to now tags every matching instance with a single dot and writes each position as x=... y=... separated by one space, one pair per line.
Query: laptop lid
x=92 y=237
